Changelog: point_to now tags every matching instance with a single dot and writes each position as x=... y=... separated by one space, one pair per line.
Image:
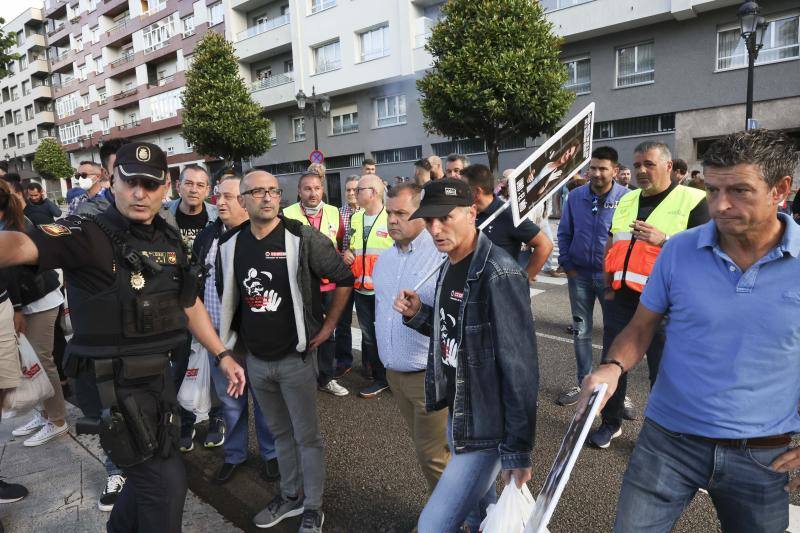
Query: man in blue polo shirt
x=724 y=407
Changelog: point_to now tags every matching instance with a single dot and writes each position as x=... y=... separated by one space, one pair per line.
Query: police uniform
x=128 y=285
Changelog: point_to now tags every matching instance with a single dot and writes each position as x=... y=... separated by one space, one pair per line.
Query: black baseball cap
x=439 y=197
x=142 y=160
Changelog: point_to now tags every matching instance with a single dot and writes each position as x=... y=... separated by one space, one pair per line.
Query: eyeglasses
x=84 y=175
x=260 y=192
x=148 y=185
x=359 y=189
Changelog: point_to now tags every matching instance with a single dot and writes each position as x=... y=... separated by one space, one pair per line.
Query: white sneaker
x=48 y=432
x=334 y=388
x=114 y=484
x=31 y=426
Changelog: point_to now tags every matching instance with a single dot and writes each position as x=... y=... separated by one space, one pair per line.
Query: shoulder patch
x=55 y=230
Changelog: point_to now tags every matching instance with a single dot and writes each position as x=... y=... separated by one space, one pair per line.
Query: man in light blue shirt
x=403 y=351
x=723 y=410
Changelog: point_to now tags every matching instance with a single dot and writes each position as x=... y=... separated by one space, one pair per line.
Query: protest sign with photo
x=567 y=454
x=551 y=165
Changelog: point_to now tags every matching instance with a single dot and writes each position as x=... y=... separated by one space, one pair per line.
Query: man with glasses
x=369 y=236
x=582 y=237
x=192 y=214
x=271 y=267
x=91 y=178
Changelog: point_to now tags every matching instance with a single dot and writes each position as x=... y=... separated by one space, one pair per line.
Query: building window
x=288 y=67
x=327 y=57
x=85 y=100
x=320 y=5
x=215 y=14
x=169 y=144
x=390 y=110
x=99 y=65
x=95 y=34
x=23 y=63
x=397 y=155
x=14 y=93
x=78 y=43
x=101 y=95
x=188 y=25
x=298 y=129
x=165 y=105
x=635 y=65
x=579 y=76
x=29 y=112
x=156 y=35
x=66 y=105
x=104 y=125
x=32 y=137
x=17 y=117
x=374 y=43
x=69 y=132
x=344 y=121
x=629 y=127
x=781 y=41
x=26 y=88
x=5 y=144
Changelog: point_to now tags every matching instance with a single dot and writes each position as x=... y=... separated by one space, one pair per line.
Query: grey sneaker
x=629 y=410
x=278 y=509
x=569 y=396
x=312 y=521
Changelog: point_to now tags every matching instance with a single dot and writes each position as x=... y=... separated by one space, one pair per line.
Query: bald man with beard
x=369 y=236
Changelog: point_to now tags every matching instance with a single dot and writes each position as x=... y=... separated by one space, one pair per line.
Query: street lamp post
x=753 y=27
x=314 y=113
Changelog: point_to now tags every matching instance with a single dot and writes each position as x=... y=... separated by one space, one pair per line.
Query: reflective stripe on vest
x=328 y=226
x=378 y=240
x=631 y=260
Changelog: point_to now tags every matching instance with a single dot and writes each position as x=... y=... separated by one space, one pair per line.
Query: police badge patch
x=55 y=230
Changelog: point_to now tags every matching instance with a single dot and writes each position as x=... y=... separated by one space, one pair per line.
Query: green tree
x=51 y=161
x=219 y=117
x=7 y=42
x=496 y=73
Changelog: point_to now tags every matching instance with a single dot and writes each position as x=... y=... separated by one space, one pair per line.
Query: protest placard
x=551 y=165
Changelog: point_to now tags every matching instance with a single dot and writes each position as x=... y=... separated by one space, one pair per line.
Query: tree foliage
x=219 y=117
x=51 y=160
x=496 y=73
x=7 y=42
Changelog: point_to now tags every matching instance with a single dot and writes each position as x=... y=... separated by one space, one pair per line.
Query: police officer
x=132 y=297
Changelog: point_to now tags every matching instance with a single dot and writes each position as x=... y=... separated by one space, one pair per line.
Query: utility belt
x=140 y=418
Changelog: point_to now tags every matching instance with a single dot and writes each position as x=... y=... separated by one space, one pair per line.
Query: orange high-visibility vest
x=367 y=251
x=630 y=260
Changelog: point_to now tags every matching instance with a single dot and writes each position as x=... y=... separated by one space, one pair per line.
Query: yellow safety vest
x=632 y=260
x=367 y=252
x=328 y=226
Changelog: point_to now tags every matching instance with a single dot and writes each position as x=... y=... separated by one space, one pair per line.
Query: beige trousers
x=39 y=330
x=10 y=370
x=428 y=430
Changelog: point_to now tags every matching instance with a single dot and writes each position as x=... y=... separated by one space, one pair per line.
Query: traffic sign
x=316 y=157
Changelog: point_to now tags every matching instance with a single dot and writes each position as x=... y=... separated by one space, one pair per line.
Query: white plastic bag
x=34 y=386
x=510 y=512
x=195 y=392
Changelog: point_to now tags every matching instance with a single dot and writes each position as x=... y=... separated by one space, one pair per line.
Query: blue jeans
x=236 y=413
x=344 y=337
x=466 y=488
x=582 y=294
x=326 y=352
x=365 y=311
x=667 y=468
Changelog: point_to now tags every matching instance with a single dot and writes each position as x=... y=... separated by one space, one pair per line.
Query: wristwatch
x=614 y=362
x=221 y=355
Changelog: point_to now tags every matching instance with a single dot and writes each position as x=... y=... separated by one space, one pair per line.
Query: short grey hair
x=773 y=152
x=646 y=146
x=434 y=160
x=458 y=157
x=196 y=168
x=352 y=177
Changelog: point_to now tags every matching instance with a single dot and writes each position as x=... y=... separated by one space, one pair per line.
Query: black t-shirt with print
x=450 y=298
x=191 y=225
x=266 y=315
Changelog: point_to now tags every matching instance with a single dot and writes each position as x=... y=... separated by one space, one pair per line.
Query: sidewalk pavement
x=65 y=478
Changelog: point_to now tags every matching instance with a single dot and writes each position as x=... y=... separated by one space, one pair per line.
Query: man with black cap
x=482 y=359
x=132 y=297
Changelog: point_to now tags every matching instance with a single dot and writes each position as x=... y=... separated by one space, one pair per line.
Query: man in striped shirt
x=344 y=338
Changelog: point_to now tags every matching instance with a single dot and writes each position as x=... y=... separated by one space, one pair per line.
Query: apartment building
x=676 y=70
x=26 y=112
x=118 y=70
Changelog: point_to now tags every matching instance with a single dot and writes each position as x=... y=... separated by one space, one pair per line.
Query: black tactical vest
x=142 y=312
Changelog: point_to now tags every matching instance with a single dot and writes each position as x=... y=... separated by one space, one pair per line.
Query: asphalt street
x=374 y=484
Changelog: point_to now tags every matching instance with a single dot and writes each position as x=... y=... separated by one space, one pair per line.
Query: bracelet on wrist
x=223 y=354
x=616 y=363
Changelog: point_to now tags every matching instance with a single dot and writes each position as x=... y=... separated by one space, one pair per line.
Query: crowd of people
x=685 y=270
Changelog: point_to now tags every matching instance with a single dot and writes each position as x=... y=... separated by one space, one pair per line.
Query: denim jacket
x=497 y=377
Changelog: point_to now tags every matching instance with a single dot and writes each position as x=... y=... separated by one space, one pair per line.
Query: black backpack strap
x=135 y=260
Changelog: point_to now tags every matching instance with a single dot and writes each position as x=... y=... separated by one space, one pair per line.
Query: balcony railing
x=579 y=88
x=60 y=57
x=129 y=125
x=118 y=26
x=161 y=81
x=271 y=81
x=264 y=26
x=56 y=29
x=123 y=59
x=155 y=9
x=125 y=94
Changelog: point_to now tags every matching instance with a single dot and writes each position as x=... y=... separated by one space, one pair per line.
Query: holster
x=139 y=418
